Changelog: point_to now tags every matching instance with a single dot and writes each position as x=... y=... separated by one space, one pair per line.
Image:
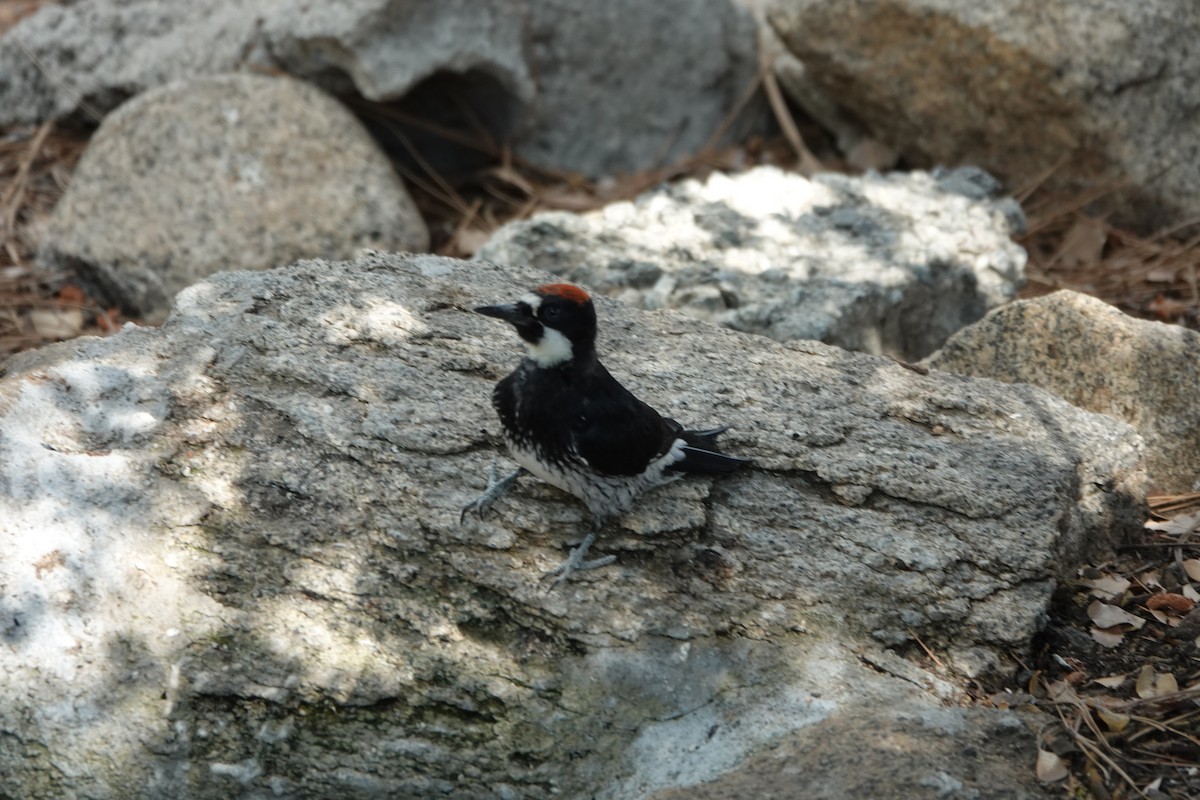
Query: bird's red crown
x=566 y=291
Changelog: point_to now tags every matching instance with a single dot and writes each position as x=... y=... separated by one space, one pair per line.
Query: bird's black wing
x=616 y=433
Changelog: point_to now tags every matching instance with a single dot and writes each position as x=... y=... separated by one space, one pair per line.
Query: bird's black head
x=557 y=321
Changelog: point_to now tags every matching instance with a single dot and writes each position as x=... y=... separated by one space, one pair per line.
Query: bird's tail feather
x=701 y=454
x=706 y=438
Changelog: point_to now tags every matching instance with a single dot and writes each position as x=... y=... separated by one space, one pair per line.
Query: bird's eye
x=553 y=312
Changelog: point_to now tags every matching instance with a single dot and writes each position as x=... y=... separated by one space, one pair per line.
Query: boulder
x=887 y=750
x=1095 y=357
x=228 y=172
x=234 y=565
x=1096 y=97
x=594 y=87
x=882 y=264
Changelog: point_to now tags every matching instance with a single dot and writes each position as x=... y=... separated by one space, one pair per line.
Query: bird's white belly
x=604 y=495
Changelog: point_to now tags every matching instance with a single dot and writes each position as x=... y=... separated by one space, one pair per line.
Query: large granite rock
x=227 y=172
x=1096 y=97
x=234 y=565
x=1095 y=357
x=593 y=87
x=882 y=264
x=944 y=754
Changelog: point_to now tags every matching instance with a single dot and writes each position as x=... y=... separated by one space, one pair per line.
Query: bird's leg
x=495 y=488
x=668 y=478
x=575 y=562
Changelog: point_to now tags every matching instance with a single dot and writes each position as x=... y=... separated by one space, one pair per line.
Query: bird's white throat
x=552 y=350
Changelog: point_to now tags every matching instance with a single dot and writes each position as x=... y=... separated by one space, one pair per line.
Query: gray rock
x=381 y=49
x=948 y=753
x=234 y=564
x=882 y=264
x=1079 y=97
x=92 y=55
x=582 y=87
x=627 y=85
x=1095 y=357
x=234 y=171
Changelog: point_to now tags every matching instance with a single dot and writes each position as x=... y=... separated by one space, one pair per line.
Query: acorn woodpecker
x=570 y=423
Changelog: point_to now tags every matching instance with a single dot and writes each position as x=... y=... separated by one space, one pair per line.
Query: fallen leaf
x=1062 y=692
x=1151 y=684
x=569 y=199
x=63 y=323
x=1115 y=721
x=1050 y=767
x=1161 y=275
x=14 y=273
x=1106 y=616
x=109 y=321
x=1167 y=308
x=1107 y=639
x=872 y=154
x=1145 y=682
x=1109 y=585
x=1177 y=526
x=1170 y=620
x=71 y=295
x=1150 y=579
x=1172 y=602
x=470 y=240
x=1084 y=243
x=1111 y=681
x=1190 y=593
x=1192 y=567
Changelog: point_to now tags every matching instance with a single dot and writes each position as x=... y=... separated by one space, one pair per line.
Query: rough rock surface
x=882 y=264
x=1084 y=95
x=626 y=85
x=563 y=76
x=234 y=566
x=950 y=753
x=1097 y=358
x=227 y=172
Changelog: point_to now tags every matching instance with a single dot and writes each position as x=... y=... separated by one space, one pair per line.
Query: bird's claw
x=477 y=505
x=575 y=563
x=495 y=488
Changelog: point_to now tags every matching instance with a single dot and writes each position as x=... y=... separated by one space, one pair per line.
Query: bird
x=567 y=420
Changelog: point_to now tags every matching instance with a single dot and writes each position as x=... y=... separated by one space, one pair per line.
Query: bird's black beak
x=516 y=313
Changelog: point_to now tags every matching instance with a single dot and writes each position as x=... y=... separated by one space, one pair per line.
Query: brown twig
x=1160 y=726
x=1090 y=749
x=1025 y=192
x=932 y=655
x=809 y=164
x=1166 y=503
x=1187 y=693
x=13 y=197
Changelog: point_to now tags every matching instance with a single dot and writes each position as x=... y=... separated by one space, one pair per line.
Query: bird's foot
x=575 y=562
x=495 y=489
